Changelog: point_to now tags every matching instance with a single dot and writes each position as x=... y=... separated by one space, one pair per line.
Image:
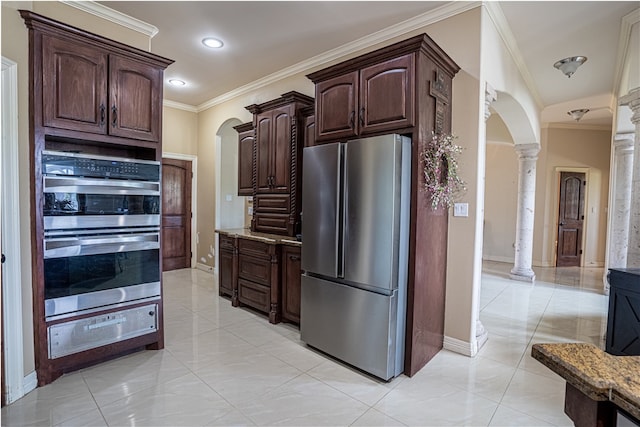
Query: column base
x=523 y=274
x=482 y=335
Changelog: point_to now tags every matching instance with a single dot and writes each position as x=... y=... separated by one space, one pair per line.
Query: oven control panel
x=82 y=165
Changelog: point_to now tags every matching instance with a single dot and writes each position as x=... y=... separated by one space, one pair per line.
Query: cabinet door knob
x=352 y=119
x=362 y=116
x=114 y=116
x=102 y=114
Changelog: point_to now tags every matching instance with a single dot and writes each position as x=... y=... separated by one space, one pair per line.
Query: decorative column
x=632 y=100
x=621 y=200
x=490 y=95
x=527 y=156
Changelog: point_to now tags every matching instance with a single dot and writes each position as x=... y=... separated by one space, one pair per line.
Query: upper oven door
x=74 y=202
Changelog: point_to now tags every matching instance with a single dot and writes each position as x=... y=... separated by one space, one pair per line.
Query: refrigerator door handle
x=341 y=202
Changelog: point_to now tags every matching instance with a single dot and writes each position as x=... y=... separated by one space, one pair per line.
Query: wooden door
x=74 y=86
x=135 y=107
x=281 y=147
x=336 y=105
x=570 y=218
x=245 y=159
x=176 y=214
x=264 y=123
x=387 y=95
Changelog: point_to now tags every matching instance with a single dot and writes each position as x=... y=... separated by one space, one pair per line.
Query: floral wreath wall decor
x=441 y=180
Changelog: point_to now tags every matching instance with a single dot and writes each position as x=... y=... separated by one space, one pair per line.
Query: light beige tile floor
x=226 y=366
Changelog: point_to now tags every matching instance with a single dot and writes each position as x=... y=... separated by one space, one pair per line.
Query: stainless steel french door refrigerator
x=355 y=234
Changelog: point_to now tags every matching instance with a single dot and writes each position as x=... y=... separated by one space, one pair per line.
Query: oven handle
x=100 y=186
x=78 y=246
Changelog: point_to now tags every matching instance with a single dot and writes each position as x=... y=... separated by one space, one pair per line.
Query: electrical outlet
x=250 y=210
x=461 y=209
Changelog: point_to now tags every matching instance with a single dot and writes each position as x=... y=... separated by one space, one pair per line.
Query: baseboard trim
x=458 y=346
x=30 y=382
x=204 y=267
x=509 y=260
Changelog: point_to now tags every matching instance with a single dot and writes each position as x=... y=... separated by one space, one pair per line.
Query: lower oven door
x=87 y=272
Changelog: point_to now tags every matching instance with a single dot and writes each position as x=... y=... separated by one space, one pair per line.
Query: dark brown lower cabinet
x=261 y=273
x=227 y=273
x=259 y=276
x=291 y=284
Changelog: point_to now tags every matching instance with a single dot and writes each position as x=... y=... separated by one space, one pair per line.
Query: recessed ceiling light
x=212 y=43
x=177 y=82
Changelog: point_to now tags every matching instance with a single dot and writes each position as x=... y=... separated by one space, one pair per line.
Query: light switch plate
x=461 y=209
x=229 y=198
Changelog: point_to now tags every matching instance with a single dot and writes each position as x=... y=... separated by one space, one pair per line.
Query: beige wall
x=501 y=199
x=581 y=150
x=570 y=149
x=179 y=131
x=15 y=46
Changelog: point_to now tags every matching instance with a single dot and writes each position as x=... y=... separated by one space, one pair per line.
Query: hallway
x=229 y=366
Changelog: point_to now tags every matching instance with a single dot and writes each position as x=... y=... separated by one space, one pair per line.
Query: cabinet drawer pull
x=352 y=121
x=114 y=116
x=102 y=114
x=294 y=257
x=362 y=116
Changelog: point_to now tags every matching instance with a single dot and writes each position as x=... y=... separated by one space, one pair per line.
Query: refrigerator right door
x=372 y=212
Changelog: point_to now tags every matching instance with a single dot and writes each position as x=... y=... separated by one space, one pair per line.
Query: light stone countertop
x=599 y=375
x=264 y=237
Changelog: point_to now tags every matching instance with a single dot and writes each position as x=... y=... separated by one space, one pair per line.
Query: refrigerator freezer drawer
x=353 y=325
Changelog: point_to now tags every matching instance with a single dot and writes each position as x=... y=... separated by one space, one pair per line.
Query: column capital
x=490 y=95
x=527 y=150
x=632 y=100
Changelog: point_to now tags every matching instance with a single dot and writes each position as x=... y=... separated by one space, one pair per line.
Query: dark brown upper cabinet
x=273 y=152
x=91 y=90
x=277 y=162
x=246 y=138
x=135 y=91
x=376 y=98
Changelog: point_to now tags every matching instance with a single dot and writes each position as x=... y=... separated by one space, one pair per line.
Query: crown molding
x=114 y=16
x=575 y=126
x=502 y=25
x=626 y=26
x=446 y=11
x=180 y=106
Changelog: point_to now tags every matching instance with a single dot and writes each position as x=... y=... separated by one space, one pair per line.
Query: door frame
x=556 y=204
x=194 y=200
x=13 y=343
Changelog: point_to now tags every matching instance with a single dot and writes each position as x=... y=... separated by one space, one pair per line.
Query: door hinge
x=584 y=182
x=580 y=251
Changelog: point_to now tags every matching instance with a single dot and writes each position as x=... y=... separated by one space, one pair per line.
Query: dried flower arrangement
x=441 y=180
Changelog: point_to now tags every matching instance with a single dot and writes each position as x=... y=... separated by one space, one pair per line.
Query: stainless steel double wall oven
x=101 y=249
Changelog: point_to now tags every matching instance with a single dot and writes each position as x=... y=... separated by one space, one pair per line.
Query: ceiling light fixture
x=569 y=65
x=212 y=42
x=177 y=82
x=577 y=114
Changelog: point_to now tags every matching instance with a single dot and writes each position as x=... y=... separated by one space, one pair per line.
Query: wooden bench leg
x=586 y=412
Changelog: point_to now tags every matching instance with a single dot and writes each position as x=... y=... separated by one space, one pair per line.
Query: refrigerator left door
x=321 y=197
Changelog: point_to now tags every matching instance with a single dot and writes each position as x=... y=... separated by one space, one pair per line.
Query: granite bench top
x=599 y=375
x=254 y=235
